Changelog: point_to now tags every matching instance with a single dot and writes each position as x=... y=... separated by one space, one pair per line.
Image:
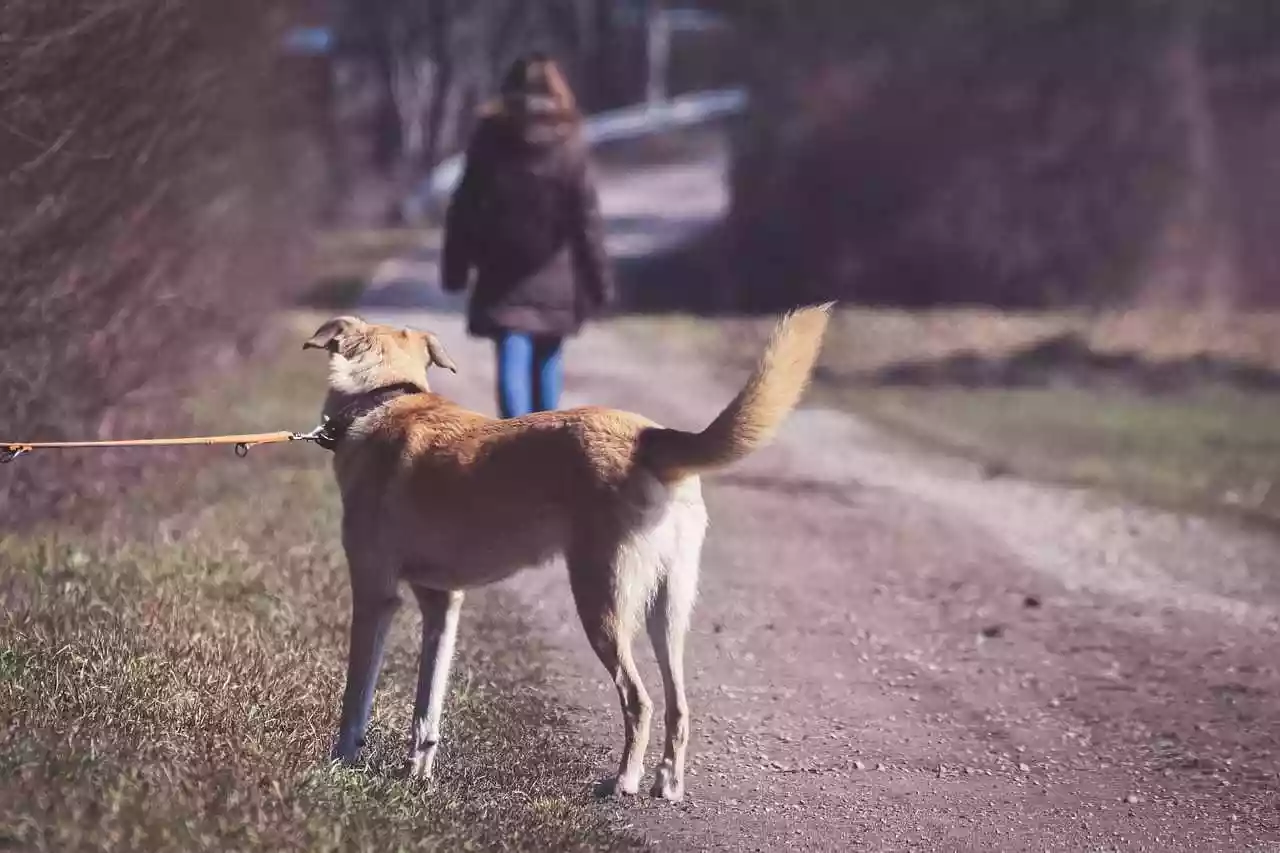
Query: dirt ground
x=896 y=652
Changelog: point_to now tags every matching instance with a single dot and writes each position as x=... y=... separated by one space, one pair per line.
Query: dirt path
x=893 y=653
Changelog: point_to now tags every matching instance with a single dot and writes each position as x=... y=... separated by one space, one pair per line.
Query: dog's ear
x=436 y=354
x=334 y=334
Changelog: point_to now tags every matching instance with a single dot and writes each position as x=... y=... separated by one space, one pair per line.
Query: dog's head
x=365 y=356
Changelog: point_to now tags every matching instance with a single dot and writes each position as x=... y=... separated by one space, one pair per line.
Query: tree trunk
x=388 y=137
x=657 y=51
x=1196 y=258
x=442 y=52
x=332 y=149
x=604 y=57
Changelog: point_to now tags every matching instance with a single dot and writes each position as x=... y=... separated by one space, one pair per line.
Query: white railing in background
x=627 y=123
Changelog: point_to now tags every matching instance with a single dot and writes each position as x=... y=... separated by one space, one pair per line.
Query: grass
x=345 y=259
x=352 y=253
x=172 y=683
x=1216 y=449
x=1209 y=447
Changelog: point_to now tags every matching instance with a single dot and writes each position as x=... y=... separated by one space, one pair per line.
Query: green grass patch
x=350 y=253
x=344 y=260
x=335 y=293
x=1209 y=446
x=1214 y=449
x=172 y=684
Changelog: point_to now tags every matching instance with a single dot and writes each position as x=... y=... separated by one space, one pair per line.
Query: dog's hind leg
x=440 y=612
x=605 y=590
x=371 y=616
x=668 y=624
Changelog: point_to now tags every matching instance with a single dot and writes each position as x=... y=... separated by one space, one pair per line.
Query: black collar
x=336 y=426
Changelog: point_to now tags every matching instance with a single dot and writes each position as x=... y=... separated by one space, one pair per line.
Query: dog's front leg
x=370 y=620
x=440 y=611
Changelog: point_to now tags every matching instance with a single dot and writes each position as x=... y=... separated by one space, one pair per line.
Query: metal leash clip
x=11 y=452
x=320 y=435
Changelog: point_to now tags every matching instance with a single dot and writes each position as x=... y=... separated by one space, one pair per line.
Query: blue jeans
x=530 y=373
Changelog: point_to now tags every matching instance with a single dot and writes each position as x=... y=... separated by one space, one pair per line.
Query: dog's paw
x=626 y=787
x=421 y=763
x=347 y=747
x=415 y=769
x=665 y=786
x=617 y=786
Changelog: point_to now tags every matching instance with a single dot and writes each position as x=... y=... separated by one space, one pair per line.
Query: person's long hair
x=535 y=77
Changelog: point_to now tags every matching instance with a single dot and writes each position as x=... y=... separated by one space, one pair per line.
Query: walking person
x=526 y=218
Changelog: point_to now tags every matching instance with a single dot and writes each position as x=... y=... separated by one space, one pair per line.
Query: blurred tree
x=158 y=177
x=434 y=60
x=1014 y=151
x=421 y=67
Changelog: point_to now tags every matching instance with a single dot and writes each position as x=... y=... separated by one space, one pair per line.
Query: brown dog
x=446 y=499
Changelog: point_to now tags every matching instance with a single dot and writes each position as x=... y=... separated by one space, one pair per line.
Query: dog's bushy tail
x=752 y=419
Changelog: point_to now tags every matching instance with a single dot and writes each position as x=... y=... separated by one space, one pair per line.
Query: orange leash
x=11 y=450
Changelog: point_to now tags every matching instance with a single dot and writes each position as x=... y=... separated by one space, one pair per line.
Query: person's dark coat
x=526 y=218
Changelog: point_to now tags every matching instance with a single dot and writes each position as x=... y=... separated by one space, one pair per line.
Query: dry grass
x=864 y=339
x=354 y=253
x=157 y=177
x=173 y=683
x=1207 y=447
x=1216 y=450
x=343 y=261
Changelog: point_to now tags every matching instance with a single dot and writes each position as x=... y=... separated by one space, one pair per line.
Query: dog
x=445 y=500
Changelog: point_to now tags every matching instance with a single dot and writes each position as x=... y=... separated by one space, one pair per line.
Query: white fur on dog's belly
x=450 y=554
x=451 y=558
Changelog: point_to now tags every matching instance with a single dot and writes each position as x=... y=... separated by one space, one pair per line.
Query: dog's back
x=467 y=499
